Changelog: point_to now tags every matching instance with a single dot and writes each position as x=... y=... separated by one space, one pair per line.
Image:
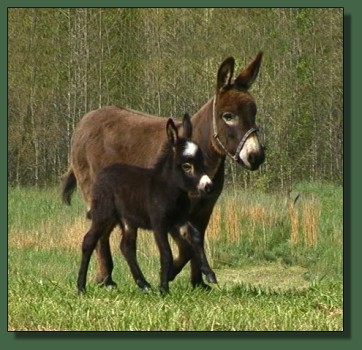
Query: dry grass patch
x=49 y=236
x=304 y=219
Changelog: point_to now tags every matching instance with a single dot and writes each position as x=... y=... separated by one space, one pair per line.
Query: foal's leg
x=104 y=257
x=166 y=258
x=199 y=217
x=128 y=249
x=89 y=243
x=185 y=252
x=103 y=250
x=105 y=262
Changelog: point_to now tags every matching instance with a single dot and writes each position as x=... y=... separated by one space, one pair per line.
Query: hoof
x=110 y=285
x=145 y=287
x=202 y=286
x=211 y=278
x=164 y=291
x=107 y=282
x=81 y=291
x=146 y=290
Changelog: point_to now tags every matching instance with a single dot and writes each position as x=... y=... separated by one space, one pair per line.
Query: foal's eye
x=228 y=117
x=187 y=167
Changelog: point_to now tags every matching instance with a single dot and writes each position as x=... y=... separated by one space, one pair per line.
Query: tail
x=69 y=184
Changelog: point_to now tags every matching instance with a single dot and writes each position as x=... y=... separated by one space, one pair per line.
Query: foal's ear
x=187 y=126
x=248 y=75
x=225 y=73
x=172 y=133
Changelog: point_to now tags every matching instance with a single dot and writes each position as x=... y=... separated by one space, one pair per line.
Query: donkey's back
x=111 y=135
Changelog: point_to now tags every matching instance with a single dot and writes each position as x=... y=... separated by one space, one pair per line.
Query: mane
x=166 y=152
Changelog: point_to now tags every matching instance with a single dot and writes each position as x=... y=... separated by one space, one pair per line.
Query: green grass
x=42 y=297
x=266 y=281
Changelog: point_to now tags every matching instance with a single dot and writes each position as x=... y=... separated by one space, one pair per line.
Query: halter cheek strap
x=241 y=144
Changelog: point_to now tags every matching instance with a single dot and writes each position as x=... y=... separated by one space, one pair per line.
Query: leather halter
x=241 y=144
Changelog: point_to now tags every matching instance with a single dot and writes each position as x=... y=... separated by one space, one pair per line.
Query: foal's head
x=188 y=161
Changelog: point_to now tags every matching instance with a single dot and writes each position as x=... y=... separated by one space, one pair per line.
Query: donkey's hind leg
x=128 y=249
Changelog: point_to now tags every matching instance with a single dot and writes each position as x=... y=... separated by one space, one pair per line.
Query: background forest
x=64 y=62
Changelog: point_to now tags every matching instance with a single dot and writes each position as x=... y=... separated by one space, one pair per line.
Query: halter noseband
x=216 y=136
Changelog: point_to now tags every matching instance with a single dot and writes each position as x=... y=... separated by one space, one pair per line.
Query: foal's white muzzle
x=205 y=184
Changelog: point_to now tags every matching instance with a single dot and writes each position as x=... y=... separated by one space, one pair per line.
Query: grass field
x=279 y=266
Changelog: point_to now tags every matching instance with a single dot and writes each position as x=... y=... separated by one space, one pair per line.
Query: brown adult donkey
x=224 y=126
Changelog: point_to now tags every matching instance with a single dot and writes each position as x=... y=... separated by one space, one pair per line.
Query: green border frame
x=349 y=339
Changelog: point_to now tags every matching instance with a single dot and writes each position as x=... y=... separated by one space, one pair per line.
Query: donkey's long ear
x=172 y=133
x=225 y=73
x=187 y=126
x=247 y=76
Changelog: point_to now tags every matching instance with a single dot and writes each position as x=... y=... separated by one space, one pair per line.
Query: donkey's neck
x=203 y=136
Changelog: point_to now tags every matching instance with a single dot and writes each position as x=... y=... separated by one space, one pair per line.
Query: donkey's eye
x=228 y=117
x=187 y=167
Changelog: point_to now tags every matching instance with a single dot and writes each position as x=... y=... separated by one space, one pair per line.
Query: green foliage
x=64 y=62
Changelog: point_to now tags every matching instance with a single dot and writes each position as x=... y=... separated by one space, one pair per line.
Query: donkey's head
x=188 y=161
x=234 y=110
